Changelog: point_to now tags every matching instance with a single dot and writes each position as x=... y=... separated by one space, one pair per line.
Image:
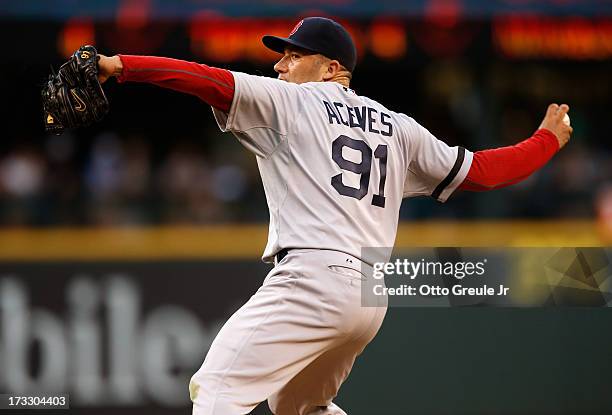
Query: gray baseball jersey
x=335 y=165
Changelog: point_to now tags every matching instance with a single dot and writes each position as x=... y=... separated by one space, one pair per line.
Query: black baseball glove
x=74 y=97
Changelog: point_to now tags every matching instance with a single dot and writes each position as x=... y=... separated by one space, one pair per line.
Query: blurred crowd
x=117 y=180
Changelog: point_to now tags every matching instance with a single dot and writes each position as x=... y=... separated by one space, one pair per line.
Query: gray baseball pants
x=293 y=343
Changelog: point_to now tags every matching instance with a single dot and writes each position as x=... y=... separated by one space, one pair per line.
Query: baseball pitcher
x=335 y=167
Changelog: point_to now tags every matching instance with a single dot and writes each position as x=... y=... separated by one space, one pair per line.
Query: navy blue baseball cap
x=319 y=35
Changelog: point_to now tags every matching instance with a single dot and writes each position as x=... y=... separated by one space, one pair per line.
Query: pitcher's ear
x=333 y=67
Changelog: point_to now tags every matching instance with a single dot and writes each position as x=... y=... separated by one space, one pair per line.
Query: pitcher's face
x=299 y=66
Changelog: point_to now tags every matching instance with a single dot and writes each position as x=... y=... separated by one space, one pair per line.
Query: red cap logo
x=297 y=26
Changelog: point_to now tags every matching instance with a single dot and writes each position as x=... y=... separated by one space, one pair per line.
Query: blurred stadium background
x=124 y=246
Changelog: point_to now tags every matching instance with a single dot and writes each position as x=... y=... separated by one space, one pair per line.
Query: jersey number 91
x=363 y=168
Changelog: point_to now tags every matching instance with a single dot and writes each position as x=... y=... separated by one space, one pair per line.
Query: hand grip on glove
x=73 y=97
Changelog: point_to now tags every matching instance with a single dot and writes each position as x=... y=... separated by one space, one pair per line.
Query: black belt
x=280 y=255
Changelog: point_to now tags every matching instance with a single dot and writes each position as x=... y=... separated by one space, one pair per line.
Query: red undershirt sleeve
x=212 y=85
x=501 y=167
